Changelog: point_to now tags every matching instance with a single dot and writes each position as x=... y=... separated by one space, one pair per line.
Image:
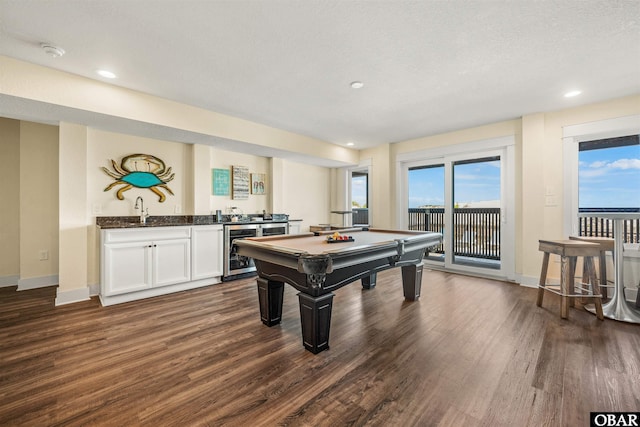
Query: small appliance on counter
x=235 y=214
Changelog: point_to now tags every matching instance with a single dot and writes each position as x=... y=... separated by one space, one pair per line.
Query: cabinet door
x=206 y=251
x=171 y=261
x=294 y=227
x=126 y=267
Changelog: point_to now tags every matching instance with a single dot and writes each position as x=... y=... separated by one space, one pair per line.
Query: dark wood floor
x=470 y=352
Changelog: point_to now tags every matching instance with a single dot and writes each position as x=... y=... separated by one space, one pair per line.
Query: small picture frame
x=240 y=185
x=258 y=184
x=221 y=182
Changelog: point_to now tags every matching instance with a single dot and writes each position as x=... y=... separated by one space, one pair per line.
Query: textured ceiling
x=427 y=66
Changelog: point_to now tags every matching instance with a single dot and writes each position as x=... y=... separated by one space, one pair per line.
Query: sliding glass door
x=465 y=197
x=476 y=212
x=426 y=203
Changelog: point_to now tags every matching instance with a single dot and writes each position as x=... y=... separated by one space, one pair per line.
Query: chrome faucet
x=143 y=214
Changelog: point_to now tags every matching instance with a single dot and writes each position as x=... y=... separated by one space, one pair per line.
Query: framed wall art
x=258 y=184
x=221 y=181
x=240 y=182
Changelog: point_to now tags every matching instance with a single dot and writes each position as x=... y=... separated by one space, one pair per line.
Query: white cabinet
x=206 y=251
x=126 y=267
x=171 y=261
x=294 y=226
x=139 y=259
x=149 y=261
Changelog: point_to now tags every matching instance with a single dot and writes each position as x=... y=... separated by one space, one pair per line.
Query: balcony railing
x=360 y=216
x=593 y=226
x=476 y=230
x=428 y=219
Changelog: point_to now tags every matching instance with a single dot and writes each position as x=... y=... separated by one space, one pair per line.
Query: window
x=360 y=197
x=426 y=186
x=608 y=180
x=601 y=173
x=359 y=189
x=609 y=173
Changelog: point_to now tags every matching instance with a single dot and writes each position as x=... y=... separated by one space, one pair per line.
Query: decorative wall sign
x=240 y=182
x=258 y=185
x=141 y=171
x=221 y=182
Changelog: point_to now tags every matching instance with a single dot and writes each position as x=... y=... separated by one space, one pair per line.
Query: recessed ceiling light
x=350 y=144
x=357 y=85
x=106 y=74
x=572 y=93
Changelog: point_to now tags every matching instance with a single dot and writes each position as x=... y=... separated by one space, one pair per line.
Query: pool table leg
x=270 y=296
x=315 y=316
x=412 y=281
x=369 y=282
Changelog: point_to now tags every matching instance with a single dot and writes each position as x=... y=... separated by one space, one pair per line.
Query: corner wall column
x=73 y=215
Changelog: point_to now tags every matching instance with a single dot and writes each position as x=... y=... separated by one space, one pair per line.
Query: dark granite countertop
x=107 y=222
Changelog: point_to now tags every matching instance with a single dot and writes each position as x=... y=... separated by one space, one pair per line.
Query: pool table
x=316 y=267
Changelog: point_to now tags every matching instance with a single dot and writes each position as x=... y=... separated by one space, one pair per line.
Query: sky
x=473 y=183
x=609 y=178
x=426 y=187
x=359 y=190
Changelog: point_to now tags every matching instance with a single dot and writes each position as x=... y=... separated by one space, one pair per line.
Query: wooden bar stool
x=606 y=245
x=569 y=251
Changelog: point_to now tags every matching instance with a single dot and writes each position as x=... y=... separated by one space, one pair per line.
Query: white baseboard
x=94 y=290
x=527 y=281
x=37 y=282
x=72 y=295
x=6 y=281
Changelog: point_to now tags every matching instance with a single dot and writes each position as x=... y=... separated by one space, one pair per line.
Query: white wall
x=382 y=192
x=106 y=146
x=73 y=214
x=10 y=202
x=306 y=193
x=38 y=202
x=29 y=211
x=220 y=159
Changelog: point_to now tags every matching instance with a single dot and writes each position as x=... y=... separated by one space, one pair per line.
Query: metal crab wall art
x=141 y=171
